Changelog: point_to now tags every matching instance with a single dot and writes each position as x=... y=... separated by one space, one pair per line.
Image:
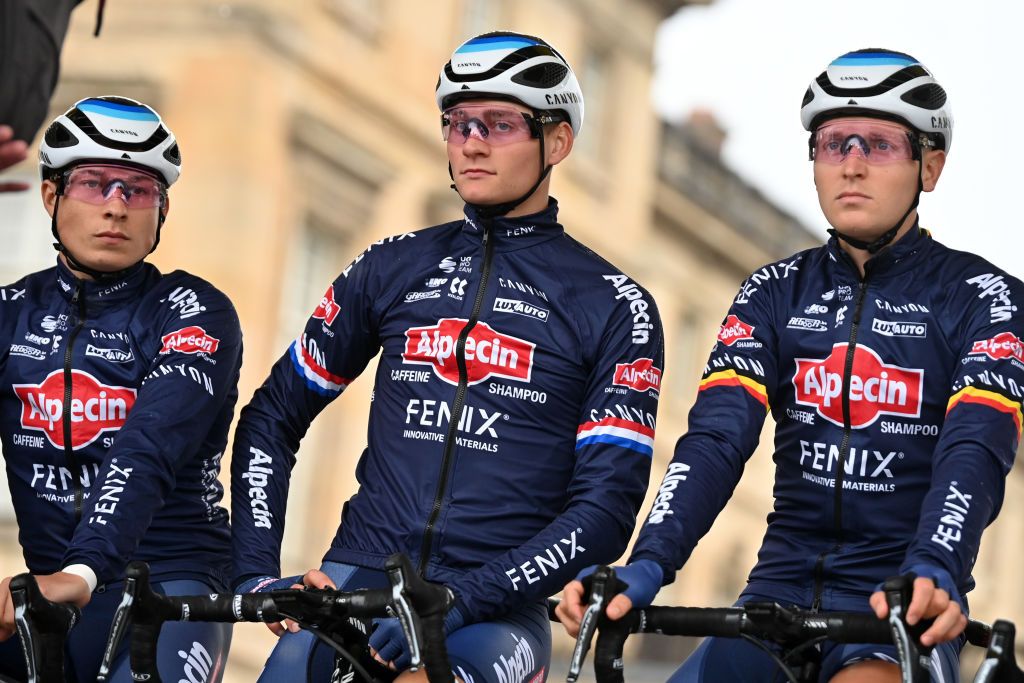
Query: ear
x=166 y=208
x=558 y=143
x=49 y=194
x=931 y=168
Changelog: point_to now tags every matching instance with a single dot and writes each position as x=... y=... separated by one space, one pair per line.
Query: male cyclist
x=894 y=370
x=513 y=413
x=121 y=384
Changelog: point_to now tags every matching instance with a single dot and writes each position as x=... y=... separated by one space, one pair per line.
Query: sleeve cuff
x=83 y=571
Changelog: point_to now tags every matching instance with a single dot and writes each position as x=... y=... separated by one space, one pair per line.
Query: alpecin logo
x=488 y=352
x=191 y=339
x=328 y=309
x=875 y=387
x=733 y=330
x=640 y=375
x=1003 y=345
x=95 y=407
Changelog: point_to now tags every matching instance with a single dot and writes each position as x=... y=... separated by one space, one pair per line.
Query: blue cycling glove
x=262 y=584
x=390 y=643
x=941 y=578
x=643 y=579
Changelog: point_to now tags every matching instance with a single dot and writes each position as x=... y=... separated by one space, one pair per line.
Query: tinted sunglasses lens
x=494 y=125
x=100 y=184
x=876 y=143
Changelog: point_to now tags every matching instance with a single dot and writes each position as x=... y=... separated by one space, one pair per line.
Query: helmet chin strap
x=889 y=235
x=77 y=265
x=494 y=210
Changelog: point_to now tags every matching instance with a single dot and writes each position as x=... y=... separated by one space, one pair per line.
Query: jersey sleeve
x=613 y=451
x=192 y=374
x=339 y=340
x=980 y=434
x=734 y=396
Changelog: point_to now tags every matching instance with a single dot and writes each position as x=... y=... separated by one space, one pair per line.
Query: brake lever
x=602 y=586
x=402 y=607
x=915 y=664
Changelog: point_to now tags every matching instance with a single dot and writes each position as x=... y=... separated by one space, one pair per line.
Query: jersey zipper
x=460 y=399
x=844 y=448
x=78 y=303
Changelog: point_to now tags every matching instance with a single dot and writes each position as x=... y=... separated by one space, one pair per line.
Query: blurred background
x=308 y=129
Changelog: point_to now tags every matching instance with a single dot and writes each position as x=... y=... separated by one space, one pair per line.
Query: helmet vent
x=808 y=96
x=929 y=96
x=58 y=136
x=173 y=155
x=125 y=156
x=541 y=76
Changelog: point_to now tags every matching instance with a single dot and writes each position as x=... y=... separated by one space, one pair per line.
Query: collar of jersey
x=102 y=294
x=896 y=258
x=519 y=232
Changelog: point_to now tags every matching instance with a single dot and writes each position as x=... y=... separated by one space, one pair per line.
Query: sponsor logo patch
x=733 y=330
x=410 y=297
x=893 y=328
x=95 y=407
x=640 y=375
x=520 y=308
x=809 y=324
x=1003 y=345
x=110 y=355
x=27 y=351
x=876 y=388
x=191 y=339
x=328 y=309
x=488 y=352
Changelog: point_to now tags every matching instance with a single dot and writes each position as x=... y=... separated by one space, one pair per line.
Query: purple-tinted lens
x=877 y=142
x=495 y=125
x=98 y=184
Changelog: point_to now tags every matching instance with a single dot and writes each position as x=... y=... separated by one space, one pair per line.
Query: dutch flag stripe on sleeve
x=613 y=430
x=317 y=378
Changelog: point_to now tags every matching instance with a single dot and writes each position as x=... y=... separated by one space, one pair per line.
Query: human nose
x=854 y=164
x=115 y=203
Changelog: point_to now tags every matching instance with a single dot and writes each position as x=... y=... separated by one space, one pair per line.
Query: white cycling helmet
x=110 y=130
x=512 y=66
x=880 y=83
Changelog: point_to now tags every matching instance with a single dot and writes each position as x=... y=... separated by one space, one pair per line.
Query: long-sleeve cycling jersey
x=897 y=402
x=115 y=415
x=513 y=414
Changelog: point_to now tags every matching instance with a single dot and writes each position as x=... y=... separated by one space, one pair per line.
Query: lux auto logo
x=95 y=407
x=875 y=387
x=488 y=352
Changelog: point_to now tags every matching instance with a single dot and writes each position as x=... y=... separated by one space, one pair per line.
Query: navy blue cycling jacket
x=911 y=377
x=114 y=418
x=544 y=468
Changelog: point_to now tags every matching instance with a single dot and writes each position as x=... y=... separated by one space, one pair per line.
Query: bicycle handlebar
x=1000 y=664
x=420 y=606
x=42 y=626
x=762 y=620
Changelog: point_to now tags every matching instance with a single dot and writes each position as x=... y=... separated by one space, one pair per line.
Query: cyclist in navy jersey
x=513 y=413
x=893 y=367
x=120 y=387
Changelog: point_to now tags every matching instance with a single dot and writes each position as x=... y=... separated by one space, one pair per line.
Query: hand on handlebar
x=934 y=596
x=57 y=587
x=389 y=646
x=643 y=577
x=262 y=584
